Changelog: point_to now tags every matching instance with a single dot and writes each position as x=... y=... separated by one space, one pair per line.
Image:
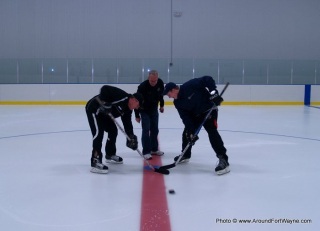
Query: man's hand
x=216 y=98
x=132 y=142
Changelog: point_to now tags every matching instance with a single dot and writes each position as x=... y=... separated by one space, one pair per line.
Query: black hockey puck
x=171 y=191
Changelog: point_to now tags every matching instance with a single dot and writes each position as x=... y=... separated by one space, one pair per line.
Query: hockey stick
x=158 y=170
x=195 y=134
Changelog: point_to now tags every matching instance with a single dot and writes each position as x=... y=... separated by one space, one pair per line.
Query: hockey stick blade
x=162 y=171
x=153 y=168
x=166 y=167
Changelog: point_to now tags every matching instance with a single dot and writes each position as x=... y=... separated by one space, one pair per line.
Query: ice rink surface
x=46 y=183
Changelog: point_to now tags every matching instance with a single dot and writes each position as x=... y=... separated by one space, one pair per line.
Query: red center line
x=154 y=205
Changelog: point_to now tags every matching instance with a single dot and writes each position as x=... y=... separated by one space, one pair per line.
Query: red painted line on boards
x=154 y=205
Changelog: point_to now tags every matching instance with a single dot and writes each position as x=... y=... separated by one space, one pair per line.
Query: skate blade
x=113 y=162
x=223 y=171
x=99 y=171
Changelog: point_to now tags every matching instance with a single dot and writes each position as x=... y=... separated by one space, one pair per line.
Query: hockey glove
x=133 y=142
x=105 y=109
x=216 y=98
x=191 y=138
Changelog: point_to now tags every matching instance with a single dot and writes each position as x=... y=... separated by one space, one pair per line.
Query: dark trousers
x=98 y=125
x=150 y=130
x=214 y=137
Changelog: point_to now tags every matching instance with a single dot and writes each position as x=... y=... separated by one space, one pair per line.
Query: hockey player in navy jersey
x=193 y=100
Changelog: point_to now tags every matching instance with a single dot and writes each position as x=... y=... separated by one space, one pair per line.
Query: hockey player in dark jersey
x=120 y=104
x=193 y=100
x=151 y=90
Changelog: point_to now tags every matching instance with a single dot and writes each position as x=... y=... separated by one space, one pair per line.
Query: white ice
x=46 y=183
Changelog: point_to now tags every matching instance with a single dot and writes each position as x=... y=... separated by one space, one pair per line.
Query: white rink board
x=83 y=92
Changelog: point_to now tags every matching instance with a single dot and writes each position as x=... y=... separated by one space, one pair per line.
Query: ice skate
x=98 y=167
x=147 y=156
x=96 y=163
x=222 y=167
x=114 y=159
